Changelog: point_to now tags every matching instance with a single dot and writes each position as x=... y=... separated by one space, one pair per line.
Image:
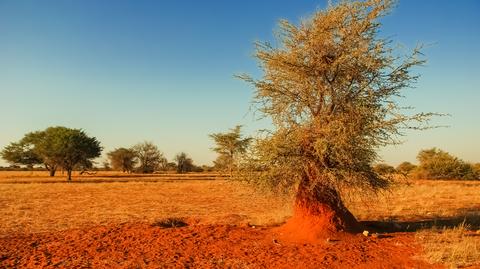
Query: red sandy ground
x=202 y=246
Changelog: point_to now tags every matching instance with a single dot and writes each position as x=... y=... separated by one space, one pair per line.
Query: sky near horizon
x=163 y=71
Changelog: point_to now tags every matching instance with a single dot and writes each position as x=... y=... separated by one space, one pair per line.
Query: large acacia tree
x=331 y=88
x=55 y=147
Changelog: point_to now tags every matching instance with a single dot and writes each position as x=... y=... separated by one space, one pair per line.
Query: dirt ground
x=203 y=246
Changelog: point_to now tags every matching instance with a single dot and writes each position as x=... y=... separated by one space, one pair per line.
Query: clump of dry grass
x=171 y=223
x=454 y=247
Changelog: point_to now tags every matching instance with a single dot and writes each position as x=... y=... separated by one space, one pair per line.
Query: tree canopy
x=123 y=159
x=405 y=168
x=149 y=157
x=20 y=153
x=331 y=88
x=438 y=164
x=184 y=163
x=229 y=146
x=54 y=147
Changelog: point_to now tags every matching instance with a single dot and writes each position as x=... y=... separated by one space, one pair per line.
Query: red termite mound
x=319 y=213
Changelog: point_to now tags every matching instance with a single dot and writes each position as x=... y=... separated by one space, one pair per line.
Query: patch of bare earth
x=142 y=245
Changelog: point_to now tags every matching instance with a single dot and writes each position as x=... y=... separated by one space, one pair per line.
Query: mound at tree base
x=304 y=226
x=319 y=213
x=200 y=246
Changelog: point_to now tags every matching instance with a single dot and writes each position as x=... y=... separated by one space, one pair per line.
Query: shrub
x=438 y=164
x=384 y=169
x=405 y=168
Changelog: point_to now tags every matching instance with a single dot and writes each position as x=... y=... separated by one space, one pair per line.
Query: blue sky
x=162 y=71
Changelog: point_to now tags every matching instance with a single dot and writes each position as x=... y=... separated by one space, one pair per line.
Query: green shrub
x=438 y=164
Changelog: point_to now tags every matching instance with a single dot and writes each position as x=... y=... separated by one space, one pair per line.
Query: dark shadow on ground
x=471 y=219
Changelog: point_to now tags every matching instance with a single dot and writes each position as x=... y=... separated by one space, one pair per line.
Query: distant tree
x=207 y=168
x=123 y=159
x=331 y=90
x=438 y=164
x=69 y=148
x=405 y=168
x=184 y=163
x=230 y=146
x=20 y=153
x=55 y=147
x=170 y=167
x=383 y=169
x=149 y=157
x=224 y=163
x=106 y=165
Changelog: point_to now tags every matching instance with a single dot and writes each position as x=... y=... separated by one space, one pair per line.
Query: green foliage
x=438 y=164
x=230 y=147
x=55 y=147
x=123 y=159
x=184 y=163
x=331 y=90
x=405 y=168
x=149 y=157
x=383 y=169
x=20 y=153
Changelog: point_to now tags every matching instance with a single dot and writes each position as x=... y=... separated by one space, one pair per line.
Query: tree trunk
x=52 y=172
x=318 y=213
x=69 y=175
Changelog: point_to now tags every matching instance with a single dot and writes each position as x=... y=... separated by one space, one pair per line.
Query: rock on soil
x=202 y=246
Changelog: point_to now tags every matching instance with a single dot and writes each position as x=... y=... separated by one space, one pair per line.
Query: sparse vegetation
x=311 y=190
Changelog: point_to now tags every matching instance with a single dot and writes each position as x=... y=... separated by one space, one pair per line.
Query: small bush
x=170 y=223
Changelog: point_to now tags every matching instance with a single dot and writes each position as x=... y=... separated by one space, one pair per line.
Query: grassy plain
x=444 y=214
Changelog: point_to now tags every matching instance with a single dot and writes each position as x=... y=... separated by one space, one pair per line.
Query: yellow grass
x=422 y=200
x=101 y=176
x=43 y=207
x=28 y=205
x=455 y=247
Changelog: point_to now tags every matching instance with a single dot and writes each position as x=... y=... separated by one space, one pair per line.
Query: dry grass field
x=36 y=203
x=443 y=214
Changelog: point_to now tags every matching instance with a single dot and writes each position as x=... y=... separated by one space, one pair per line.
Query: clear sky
x=162 y=71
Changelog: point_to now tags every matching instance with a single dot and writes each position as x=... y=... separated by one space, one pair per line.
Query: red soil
x=202 y=246
x=315 y=223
